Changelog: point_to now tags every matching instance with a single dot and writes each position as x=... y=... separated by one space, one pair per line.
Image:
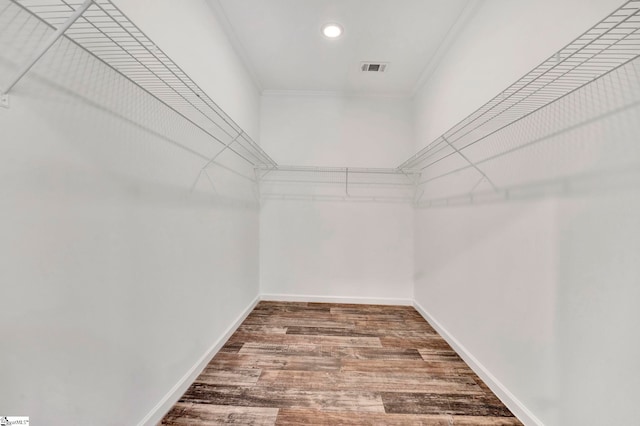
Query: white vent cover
x=374 y=66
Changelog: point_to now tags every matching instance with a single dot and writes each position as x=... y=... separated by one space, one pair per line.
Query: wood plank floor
x=331 y=364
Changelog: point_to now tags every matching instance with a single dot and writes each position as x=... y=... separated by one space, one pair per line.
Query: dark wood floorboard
x=337 y=364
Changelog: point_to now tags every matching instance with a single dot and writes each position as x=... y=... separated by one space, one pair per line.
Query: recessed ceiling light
x=332 y=30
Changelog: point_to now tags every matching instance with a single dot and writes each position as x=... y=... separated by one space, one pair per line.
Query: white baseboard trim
x=512 y=403
x=335 y=299
x=165 y=404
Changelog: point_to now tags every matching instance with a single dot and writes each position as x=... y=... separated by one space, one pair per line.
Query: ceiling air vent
x=374 y=66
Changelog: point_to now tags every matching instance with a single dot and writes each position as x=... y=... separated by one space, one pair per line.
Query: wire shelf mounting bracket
x=346 y=182
x=204 y=168
x=26 y=67
x=471 y=163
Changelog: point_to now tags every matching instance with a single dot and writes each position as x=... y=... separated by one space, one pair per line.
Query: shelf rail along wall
x=590 y=79
x=516 y=143
x=337 y=183
x=101 y=30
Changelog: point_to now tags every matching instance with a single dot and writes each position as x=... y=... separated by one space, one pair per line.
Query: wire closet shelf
x=602 y=50
x=102 y=30
x=337 y=183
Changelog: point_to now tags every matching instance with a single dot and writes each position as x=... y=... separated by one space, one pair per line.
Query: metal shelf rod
x=206 y=98
x=103 y=31
x=615 y=37
x=520 y=118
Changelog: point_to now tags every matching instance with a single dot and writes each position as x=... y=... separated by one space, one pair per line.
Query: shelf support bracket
x=256 y=186
x=346 y=182
x=261 y=175
x=24 y=69
x=417 y=197
x=414 y=178
x=472 y=164
x=222 y=150
x=204 y=168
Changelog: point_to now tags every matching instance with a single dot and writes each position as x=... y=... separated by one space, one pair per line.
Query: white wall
x=541 y=290
x=325 y=249
x=189 y=32
x=336 y=249
x=543 y=295
x=332 y=130
x=115 y=278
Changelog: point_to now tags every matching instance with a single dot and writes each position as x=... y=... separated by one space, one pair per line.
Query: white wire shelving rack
x=609 y=47
x=579 y=82
x=337 y=183
x=103 y=31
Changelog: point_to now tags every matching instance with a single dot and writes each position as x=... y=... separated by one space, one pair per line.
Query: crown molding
x=465 y=15
x=467 y=12
x=237 y=46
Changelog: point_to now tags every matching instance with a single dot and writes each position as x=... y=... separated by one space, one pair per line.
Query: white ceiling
x=281 y=42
